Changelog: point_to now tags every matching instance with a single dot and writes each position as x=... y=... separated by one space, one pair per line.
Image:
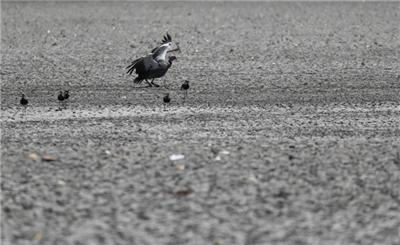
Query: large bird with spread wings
x=153 y=65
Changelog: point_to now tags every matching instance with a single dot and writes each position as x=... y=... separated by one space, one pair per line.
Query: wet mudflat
x=290 y=134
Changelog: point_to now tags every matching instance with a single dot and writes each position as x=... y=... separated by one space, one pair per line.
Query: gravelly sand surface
x=290 y=134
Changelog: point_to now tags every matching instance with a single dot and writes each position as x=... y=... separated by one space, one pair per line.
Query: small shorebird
x=185 y=86
x=60 y=99
x=24 y=102
x=166 y=100
x=153 y=65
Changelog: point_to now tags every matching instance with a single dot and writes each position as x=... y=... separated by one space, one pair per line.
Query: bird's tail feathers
x=138 y=80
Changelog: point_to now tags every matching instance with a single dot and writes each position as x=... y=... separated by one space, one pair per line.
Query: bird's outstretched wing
x=132 y=67
x=149 y=63
x=143 y=64
x=160 y=52
x=167 y=39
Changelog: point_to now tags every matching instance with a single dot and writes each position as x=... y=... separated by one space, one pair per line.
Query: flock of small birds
x=151 y=66
x=62 y=97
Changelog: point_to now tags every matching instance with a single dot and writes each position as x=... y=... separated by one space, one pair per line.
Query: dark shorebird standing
x=66 y=97
x=60 y=99
x=166 y=100
x=185 y=86
x=24 y=102
x=153 y=65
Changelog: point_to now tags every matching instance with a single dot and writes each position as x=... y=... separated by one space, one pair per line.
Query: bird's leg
x=155 y=85
x=177 y=49
x=148 y=82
